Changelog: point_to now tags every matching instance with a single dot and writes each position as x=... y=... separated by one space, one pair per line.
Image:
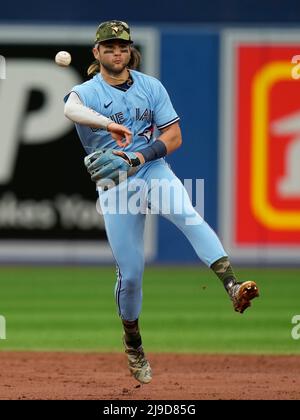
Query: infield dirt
x=45 y=375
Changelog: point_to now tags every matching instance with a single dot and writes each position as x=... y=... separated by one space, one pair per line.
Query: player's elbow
x=71 y=112
x=67 y=111
x=178 y=140
x=174 y=143
x=176 y=136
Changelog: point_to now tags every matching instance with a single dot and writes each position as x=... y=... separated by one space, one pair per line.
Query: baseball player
x=116 y=114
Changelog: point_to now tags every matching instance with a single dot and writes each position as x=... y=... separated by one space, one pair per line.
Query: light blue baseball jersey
x=144 y=107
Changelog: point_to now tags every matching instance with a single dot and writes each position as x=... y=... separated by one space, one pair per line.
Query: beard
x=110 y=68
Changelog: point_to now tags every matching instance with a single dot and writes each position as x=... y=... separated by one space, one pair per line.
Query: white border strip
x=71 y=251
x=230 y=38
x=54 y=251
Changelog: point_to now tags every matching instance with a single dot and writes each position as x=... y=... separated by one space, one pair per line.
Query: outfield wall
x=236 y=93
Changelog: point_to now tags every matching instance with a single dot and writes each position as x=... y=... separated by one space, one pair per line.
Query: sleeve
x=164 y=113
x=81 y=91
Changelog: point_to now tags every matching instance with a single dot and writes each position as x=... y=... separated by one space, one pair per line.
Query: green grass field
x=184 y=310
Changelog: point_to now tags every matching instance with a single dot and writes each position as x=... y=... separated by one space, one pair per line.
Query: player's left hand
x=120 y=133
x=133 y=158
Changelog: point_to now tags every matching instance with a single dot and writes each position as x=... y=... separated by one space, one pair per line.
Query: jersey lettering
x=118 y=118
x=147 y=115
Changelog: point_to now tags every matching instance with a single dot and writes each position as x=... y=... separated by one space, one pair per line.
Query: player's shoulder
x=86 y=91
x=87 y=85
x=145 y=78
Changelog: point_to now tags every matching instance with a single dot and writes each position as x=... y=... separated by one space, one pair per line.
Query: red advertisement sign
x=267 y=145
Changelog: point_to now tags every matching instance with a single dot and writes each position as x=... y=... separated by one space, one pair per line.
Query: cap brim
x=114 y=39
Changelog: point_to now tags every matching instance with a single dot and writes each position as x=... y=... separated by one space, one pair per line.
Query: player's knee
x=132 y=278
x=182 y=219
x=132 y=286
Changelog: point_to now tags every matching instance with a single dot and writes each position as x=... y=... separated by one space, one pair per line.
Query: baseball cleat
x=138 y=365
x=242 y=293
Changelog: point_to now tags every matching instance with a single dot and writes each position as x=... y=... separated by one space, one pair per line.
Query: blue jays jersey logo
x=147 y=133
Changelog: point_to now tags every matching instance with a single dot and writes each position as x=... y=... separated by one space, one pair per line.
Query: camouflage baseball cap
x=113 y=29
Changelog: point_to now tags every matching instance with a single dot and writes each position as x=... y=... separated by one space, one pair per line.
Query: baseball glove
x=108 y=169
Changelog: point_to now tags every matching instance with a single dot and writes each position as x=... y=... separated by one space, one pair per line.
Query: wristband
x=155 y=151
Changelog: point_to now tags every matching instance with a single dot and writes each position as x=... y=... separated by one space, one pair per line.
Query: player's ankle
x=132 y=334
x=224 y=271
x=229 y=283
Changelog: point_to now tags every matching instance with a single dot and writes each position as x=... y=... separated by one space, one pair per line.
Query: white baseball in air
x=63 y=58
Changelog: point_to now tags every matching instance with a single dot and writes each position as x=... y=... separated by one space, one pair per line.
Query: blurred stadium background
x=228 y=69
